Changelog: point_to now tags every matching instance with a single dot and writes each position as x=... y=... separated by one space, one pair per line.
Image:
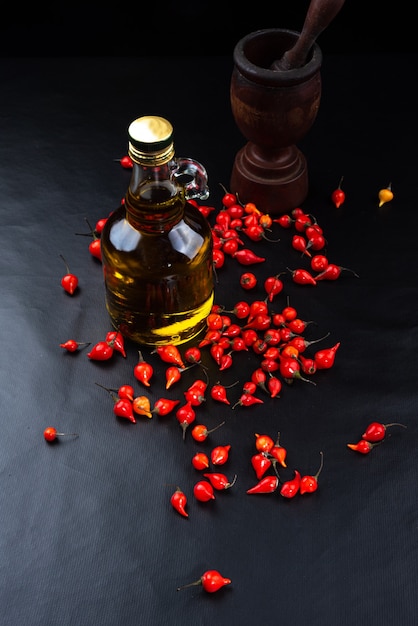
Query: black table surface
x=87 y=532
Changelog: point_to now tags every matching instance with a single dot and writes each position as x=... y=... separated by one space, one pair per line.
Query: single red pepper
x=332 y=272
x=274 y=386
x=268 y=484
x=203 y=491
x=278 y=452
x=185 y=416
x=302 y=277
x=263 y=443
x=309 y=484
x=170 y=354
x=338 y=195
x=178 y=501
x=200 y=432
x=101 y=351
x=69 y=282
x=247 y=257
x=123 y=408
x=200 y=461
x=363 y=446
x=248 y=399
x=291 y=487
x=324 y=359
x=211 y=581
x=376 y=431
x=218 y=392
x=164 y=406
x=260 y=463
x=220 y=481
x=220 y=455
x=73 y=346
x=143 y=371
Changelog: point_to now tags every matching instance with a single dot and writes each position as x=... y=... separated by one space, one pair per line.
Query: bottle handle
x=192 y=176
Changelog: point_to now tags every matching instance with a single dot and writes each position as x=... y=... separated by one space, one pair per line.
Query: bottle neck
x=154 y=200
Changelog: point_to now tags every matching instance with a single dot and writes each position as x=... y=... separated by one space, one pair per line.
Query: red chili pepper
x=200 y=461
x=143 y=371
x=100 y=224
x=212 y=336
x=241 y=309
x=338 y=195
x=192 y=355
x=291 y=487
x=195 y=394
x=319 y=263
x=324 y=359
x=123 y=408
x=300 y=244
x=273 y=286
x=268 y=484
x=285 y=221
x=248 y=280
x=172 y=375
x=164 y=406
x=178 y=501
x=211 y=581
x=332 y=272
x=376 y=431
x=309 y=484
x=126 y=162
x=69 y=282
x=95 y=248
x=185 y=416
x=200 y=431
x=261 y=463
x=274 y=385
x=278 y=452
x=226 y=362
x=247 y=257
x=220 y=455
x=170 y=354
x=247 y=399
x=51 y=433
x=302 y=221
x=308 y=365
x=218 y=392
x=126 y=391
x=263 y=443
x=316 y=241
x=203 y=491
x=218 y=258
x=302 y=277
x=73 y=346
x=216 y=351
x=363 y=446
x=101 y=351
x=220 y=481
x=118 y=341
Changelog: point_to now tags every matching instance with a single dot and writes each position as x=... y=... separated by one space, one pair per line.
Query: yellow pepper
x=385 y=195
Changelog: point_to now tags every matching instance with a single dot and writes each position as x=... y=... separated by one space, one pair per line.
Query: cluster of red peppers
x=271 y=454
x=276 y=337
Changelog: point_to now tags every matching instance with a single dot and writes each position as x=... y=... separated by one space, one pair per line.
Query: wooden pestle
x=320 y=14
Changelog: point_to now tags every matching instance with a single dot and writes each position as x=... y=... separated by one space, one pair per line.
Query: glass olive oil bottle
x=157 y=247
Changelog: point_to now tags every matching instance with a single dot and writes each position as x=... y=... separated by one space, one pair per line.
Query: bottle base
x=176 y=329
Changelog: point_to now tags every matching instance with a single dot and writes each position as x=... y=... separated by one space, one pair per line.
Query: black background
x=195 y=28
x=87 y=534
